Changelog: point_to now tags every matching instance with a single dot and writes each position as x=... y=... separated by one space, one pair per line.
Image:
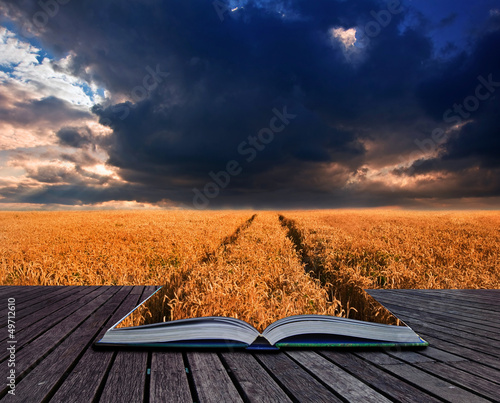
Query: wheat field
x=256 y=266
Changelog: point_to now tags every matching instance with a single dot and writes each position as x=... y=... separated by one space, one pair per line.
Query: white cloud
x=24 y=65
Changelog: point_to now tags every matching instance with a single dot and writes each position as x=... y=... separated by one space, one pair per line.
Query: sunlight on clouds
x=164 y=204
x=346 y=36
x=346 y=39
x=386 y=178
x=103 y=171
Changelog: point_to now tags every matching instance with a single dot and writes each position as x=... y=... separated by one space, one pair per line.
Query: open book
x=293 y=331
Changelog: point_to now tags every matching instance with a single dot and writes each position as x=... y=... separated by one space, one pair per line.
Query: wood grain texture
x=256 y=383
x=126 y=379
x=386 y=383
x=169 y=382
x=83 y=382
x=341 y=382
x=39 y=383
x=213 y=383
x=297 y=381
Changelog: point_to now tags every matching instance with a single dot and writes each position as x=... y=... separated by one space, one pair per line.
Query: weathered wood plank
x=212 y=382
x=27 y=323
x=45 y=300
x=34 y=351
x=445 y=305
x=448 y=317
x=256 y=383
x=169 y=382
x=126 y=379
x=341 y=382
x=441 y=355
x=473 y=343
x=296 y=381
x=422 y=379
x=460 y=332
x=126 y=362
x=476 y=384
x=41 y=296
x=424 y=318
x=93 y=366
x=384 y=382
x=466 y=298
x=43 y=380
x=10 y=290
x=470 y=354
x=24 y=292
x=28 y=337
x=478 y=369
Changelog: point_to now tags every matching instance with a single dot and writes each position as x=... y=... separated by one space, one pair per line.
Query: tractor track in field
x=355 y=301
x=230 y=239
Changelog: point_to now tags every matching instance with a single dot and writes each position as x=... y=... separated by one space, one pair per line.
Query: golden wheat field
x=257 y=266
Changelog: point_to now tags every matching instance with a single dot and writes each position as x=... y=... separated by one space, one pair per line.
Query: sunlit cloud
x=345 y=36
x=27 y=67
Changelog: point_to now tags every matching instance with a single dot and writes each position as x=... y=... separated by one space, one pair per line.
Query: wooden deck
x=54 y=359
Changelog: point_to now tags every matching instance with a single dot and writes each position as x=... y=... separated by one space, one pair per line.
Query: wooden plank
x=33 y=352
x=426 y=304
x=256 y=383
x=18 y=290
x=135 y=362
x=477 y=385
x=441 y=355
x=126 y=379
x=21 y=293
x=39 y=296
x=478 y=369
x=341 y=382
x=474 y=343
x=441 y=304
x=295 y=380
x=400 y=309
x=28 y=334
x=27 y=319
x=93 y=366
x=212 y=382
x=386 y=383
x=45 y=300
x=441 y=319
x=465 y=298
x=466 y=378
x=459 y=332
x=42 y=381
x=452 y=331
x=470 y=354
x=422 y=379
x=169 y=382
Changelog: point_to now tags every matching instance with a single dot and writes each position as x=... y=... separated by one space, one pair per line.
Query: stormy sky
x=249 y=104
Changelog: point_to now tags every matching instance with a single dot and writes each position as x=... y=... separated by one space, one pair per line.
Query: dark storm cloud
x=50 y=109
x=75 y=137
x=450 y=19
x=225 y=79
x=467 y=92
